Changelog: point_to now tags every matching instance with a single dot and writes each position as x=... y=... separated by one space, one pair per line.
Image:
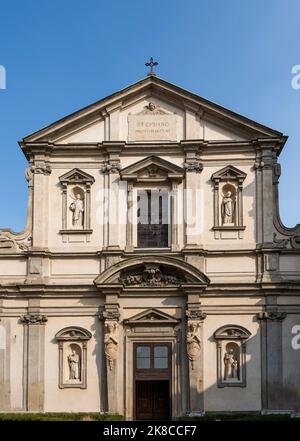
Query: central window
x=153 y=219
x=152 y=356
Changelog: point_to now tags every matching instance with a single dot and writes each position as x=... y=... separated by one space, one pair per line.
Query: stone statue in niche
x=111 y=343
x=77 y=208
x=74 y=365
x=231 y=366
x=228 y=208
x=193 y=341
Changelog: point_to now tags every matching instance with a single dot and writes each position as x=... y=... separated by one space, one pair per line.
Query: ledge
x=229 y=228
x=75 y=231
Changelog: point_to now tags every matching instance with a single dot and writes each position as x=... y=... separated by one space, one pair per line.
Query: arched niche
x=228 y=203
x=76 y=203
x=72 y=346
x=231 y=355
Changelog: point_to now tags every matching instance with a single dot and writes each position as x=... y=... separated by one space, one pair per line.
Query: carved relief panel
x=231 y=355
x=72 y=343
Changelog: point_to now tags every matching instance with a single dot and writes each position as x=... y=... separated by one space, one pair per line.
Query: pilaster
x=41 y=171
x=271 y=350
x=4 y=364
x=129 y=223
x=110 y=316
x=266 y=162
x=34 y=357
x=112 y=169
x=174 y=217
x=194 y=347
x=192 y=166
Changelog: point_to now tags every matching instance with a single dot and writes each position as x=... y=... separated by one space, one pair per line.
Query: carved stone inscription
x=152 y=125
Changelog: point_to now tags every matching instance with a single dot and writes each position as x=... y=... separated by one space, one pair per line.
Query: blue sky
x=61 y=55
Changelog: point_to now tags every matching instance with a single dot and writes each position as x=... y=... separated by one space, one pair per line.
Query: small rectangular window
x=143 y=357
x=160 y=357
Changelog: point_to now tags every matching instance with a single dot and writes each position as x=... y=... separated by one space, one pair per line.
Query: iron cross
x=151 y=63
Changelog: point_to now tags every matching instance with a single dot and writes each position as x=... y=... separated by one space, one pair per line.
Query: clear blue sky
x=61 y=55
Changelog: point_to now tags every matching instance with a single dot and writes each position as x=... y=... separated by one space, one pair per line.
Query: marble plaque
x=152 y=127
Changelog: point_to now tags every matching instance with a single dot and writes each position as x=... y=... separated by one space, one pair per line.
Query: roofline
x=156 y=80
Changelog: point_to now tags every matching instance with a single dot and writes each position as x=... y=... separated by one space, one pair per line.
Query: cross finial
x=151 y=64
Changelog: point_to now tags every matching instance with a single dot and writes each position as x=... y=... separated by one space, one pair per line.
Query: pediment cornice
x=76 y=176
x=152 y=168
x=155 y=87
x=150 y=317
x=229 y=173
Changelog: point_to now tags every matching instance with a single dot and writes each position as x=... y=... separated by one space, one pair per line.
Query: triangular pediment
x=76 y=176
x=229 y=173
x=152 y=168
x=87 y=124
x=150 y=317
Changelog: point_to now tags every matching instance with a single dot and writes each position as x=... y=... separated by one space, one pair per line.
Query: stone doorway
x=152 y=379
x=152 y=400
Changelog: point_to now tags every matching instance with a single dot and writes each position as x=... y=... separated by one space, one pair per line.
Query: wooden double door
x=152 y=381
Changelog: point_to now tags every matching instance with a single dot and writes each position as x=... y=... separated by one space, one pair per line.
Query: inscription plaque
x=152 y=125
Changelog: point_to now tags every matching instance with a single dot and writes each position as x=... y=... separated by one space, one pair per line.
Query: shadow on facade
x=262 y=390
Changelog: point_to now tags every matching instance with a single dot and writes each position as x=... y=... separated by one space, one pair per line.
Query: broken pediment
x=152 y=168
x=151 y=316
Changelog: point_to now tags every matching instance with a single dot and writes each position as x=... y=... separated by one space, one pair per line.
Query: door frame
x=154 y=375
x=175 y=378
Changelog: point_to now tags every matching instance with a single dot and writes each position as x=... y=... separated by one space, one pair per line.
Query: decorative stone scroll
x=72 y=344
x=34 y=319
x=41 y=167
x=231 y=355
x=272 y=314
x=193 y=165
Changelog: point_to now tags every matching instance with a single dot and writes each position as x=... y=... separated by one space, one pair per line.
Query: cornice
x=140 y=253
x=101 y=149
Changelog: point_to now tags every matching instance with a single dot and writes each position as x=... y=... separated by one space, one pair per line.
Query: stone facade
x=87 y=306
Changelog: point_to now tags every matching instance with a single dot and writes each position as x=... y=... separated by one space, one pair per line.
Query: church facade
x=154 y=277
